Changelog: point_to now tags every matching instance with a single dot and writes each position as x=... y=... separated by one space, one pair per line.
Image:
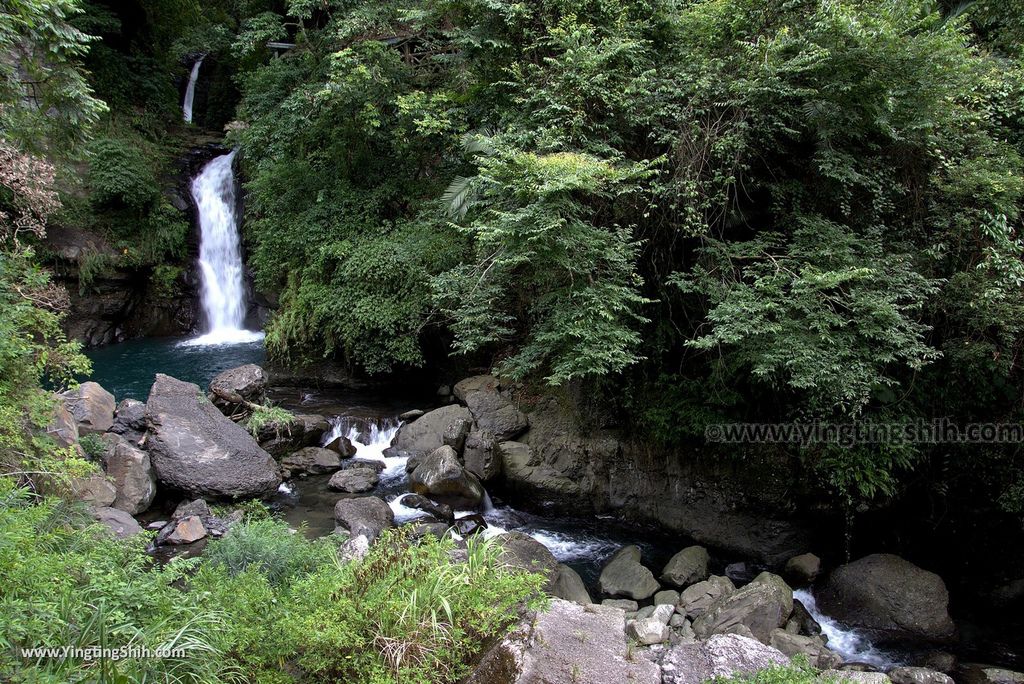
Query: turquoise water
x=127 y=369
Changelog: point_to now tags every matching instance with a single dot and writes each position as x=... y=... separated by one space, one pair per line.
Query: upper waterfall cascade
x=190 y=91
x=224 y=296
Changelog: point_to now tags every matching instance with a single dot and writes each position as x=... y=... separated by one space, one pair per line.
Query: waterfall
x=190 y=90
x=220 y=255
x=370 y=438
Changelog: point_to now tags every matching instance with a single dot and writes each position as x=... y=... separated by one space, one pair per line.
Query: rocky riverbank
x=673 y=623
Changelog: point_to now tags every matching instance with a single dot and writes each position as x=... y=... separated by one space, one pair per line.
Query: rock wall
x=742 y=505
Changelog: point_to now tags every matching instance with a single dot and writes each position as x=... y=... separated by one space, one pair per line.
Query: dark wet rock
x=442 y=477
x=366 y=515
x=739 y=506
x=92 y=406
x=130 y=420
x=891 y=598
x=197 y=507
x=468 y=525
x=354 y=480
x=976 y=673
x=342 y=446
x=687 y=567
x=301 y=430
x=196 y=449
x=623 y=575
x=376 y=466
x=806 y=624
x=802 y=570
x=760 y=606
x=440 y=511
x=311 y=461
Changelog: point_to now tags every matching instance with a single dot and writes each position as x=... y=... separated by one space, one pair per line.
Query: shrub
x=406 y=613
x=119 y=174
x=269 y=547
x=799 y=672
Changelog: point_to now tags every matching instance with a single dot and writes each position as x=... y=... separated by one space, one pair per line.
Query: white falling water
x=190 y=91
x=370 y=440
x=853 y=645
x=220 y=256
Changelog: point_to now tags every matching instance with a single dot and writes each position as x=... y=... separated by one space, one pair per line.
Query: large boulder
x=354 y=480
x=311 y=461
x=760 y=606
x=522 y=551
x=132 y=473
x=624 y=575
x=567 y=643
x=492 y=411
x=890 y=597
x=427 y=433
x=92 y=406
x=196 y=449
x=367 y=516
x=721 y=656
x=687 y=567
x=120 y=523
x=568 y=585
x=802 y=570
x=441 y=477
x=696 y=599
x=232 y=389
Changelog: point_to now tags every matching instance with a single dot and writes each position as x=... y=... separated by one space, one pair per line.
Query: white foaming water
x=223 y=292
x=404 y=514
x=190 y=90
x=853 y=645
x=566 y=548
x=370 y=441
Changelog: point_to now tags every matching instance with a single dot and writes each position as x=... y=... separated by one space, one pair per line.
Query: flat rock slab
x=723 y=655
x=567 y=643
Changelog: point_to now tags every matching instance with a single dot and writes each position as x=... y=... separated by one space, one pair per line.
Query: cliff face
x=741 y=505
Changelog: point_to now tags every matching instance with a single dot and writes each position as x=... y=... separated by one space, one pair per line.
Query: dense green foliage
x=262 y=602
x=727 y=210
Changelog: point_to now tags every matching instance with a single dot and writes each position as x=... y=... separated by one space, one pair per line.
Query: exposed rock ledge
x=728 y=503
